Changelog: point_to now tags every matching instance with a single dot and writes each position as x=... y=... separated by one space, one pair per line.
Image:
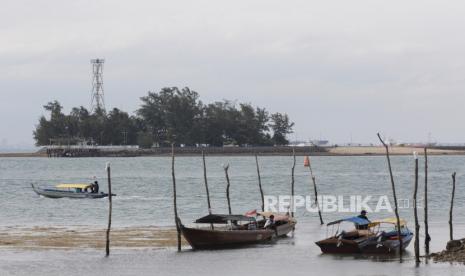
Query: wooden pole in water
x=427 y=236
x=206 y=182
x=176 y=219
x=315 y=190
x=107 y=246
x=393 y=186
x=292 y=183
x=260 y=183
x=415 y=212
x=206 y=185
x=451 y=230
x=226 y=168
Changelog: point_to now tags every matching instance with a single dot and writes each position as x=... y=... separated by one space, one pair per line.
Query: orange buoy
x=307 y=161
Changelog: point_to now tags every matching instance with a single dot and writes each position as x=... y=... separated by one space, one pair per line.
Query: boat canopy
x=73 y=186
x=356 y=220
x=216 y=218
x=277 y=216
x=388 y=220
x=268 y=214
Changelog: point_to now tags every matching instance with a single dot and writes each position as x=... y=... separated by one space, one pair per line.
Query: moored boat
x=367 y=237
x=283 y=225
x=387 y=240
x=68 y=190
x=342 y=242
x=236 y=230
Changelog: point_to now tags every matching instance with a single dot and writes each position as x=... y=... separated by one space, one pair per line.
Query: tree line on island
x=169 y=116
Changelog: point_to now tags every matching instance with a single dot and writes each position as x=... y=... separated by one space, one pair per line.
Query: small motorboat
x=283 y=222
x=69 y=190
x=342 y=242
x=367 y=237
x=387 y=240
x=236 y=230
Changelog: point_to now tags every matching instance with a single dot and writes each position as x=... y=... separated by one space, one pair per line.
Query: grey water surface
x=144 y=197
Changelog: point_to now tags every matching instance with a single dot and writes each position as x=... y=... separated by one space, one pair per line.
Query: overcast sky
x=340 y=69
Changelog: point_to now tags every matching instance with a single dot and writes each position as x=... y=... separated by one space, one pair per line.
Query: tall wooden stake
x=176 y=219
x=451 y=230
x=226 y=168
x=260 y=183
x=315 y=190
x=292 y=183
x=415 y=212
x=107 y=247
x=396 y=211
x=427 y=236
x=206 y=185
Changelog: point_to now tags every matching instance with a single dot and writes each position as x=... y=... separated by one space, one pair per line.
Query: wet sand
x=296 y=255
x=84 y=237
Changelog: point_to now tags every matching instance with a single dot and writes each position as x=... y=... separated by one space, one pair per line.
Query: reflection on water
x=296 y=255
x=291 y=256
x=144 y=198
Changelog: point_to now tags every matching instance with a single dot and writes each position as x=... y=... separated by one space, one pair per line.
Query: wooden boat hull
x=199 y=238
x=52 y=193
x=334 y=245
x=390 y=246
x=214 y=239
x=367 y=245
x=284 y=229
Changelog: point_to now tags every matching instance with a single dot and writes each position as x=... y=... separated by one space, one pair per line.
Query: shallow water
x=143 y=188
x=290 y=256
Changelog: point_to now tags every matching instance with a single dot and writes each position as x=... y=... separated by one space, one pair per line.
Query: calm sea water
x=144 y=197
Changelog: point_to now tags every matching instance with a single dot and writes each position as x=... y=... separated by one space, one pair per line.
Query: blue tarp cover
x=356 y=220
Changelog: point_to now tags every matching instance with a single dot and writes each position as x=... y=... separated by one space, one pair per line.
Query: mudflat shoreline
x=265 y=151
x=42 y=237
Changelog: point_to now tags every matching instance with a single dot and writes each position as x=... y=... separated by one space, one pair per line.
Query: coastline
x=265 y=151
x=22 y=154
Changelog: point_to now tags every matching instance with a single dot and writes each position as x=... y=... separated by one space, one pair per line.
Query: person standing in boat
x=363 y=215
x=92 y=184
x=95 y=187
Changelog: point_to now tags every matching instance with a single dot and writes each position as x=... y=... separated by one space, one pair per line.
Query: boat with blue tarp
x=367 y=237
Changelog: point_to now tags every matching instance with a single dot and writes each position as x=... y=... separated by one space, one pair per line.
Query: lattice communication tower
x=98 y=100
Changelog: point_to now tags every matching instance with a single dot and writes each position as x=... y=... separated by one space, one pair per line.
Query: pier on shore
x=133 y=151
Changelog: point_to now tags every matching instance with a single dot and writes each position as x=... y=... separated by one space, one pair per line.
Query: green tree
x=53 y=128
x=281 y=126
x=172 y=115
x=83 y=118
x=43 y=132
x=144 y=140
x=251 y=125
x=120 y=128
x=220 y=123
